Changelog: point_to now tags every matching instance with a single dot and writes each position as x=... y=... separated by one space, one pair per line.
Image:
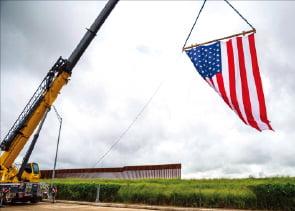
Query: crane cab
x=31 y=173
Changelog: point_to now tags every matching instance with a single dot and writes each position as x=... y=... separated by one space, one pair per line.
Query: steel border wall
x=126 y=172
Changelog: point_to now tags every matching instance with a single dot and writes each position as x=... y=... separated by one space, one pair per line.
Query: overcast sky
x=137 y=51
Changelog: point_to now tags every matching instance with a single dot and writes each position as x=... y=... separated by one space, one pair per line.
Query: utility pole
x=56 y=152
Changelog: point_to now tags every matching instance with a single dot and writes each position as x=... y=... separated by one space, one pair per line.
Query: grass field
x=249 y=193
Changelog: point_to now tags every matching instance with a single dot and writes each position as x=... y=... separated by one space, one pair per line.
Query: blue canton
x=207 y=59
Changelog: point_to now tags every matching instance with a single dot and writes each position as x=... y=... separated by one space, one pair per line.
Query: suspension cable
x=200 y=13
x=117 y=140
x=238 y=13
x=194 y=24
x=131 y=124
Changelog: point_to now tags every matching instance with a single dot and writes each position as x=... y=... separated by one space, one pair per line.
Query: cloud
x=137 y=51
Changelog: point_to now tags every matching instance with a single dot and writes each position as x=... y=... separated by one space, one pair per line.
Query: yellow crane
x=22 y=184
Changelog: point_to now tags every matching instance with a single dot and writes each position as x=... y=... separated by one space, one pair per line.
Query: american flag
x=231 y=69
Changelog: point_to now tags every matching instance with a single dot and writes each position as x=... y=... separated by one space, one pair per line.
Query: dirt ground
x=79 y=206
x=44 y=206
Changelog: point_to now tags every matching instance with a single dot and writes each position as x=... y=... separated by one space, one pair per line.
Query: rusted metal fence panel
x=126 y=172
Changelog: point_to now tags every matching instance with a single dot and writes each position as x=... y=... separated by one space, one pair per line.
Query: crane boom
x=43 y=99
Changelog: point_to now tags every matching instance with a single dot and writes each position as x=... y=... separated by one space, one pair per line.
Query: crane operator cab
x=31 y=173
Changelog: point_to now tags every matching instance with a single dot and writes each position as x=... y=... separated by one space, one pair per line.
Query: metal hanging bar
x=228 y=37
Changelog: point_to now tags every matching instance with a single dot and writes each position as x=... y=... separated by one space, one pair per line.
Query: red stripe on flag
x=258 y=83
x=232 y=83
x=244 y=82
x=222 y=92
x=212 y=83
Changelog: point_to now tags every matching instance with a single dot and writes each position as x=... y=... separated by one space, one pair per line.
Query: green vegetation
x=264 y=193
x=86 y=192
x=275 y=196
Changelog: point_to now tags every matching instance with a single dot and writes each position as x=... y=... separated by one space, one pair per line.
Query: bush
x=275 y=196
x=109 y=192
x=275 y=193
x=87 y=192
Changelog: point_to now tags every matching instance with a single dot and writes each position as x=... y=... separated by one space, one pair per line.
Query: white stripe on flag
x=225 y=74
x=238 y=85
x=251 y=82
